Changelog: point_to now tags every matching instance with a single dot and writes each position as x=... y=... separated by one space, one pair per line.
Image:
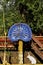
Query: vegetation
x=25 y=11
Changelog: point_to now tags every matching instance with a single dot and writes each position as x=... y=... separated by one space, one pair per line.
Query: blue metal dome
x=20 y=31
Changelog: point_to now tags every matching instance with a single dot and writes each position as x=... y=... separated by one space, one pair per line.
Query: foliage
x=29 y=12
x=33 y=13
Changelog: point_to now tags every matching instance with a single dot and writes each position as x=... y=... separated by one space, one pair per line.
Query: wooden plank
x=40 y=38
x=37 y=51
x=37 y=42
x=7 y=46
x=35 y=38
x=2 y=38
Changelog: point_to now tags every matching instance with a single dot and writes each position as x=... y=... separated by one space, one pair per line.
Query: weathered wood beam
x=37 y=51
x=37 y=42
x=40 y=38
x=8 y=45
x=2 y=38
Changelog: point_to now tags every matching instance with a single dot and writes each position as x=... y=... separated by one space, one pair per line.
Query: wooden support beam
x=2 y=38
x=37 y=42
x=37 y=51
x=35 y=38
x=7 y=46
x=40 y=38
x=40 y=49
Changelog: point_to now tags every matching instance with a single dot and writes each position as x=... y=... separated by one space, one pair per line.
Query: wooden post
x=4 y=61
x=20 y=51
